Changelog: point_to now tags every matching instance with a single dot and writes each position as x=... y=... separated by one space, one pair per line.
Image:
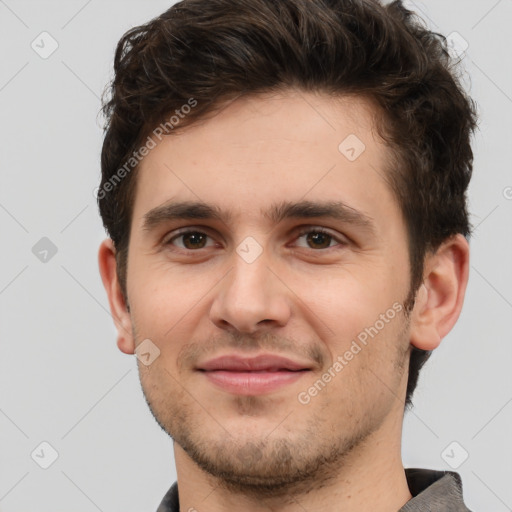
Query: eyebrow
x=180 y=210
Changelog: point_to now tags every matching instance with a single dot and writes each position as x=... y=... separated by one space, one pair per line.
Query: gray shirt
x=432 y=491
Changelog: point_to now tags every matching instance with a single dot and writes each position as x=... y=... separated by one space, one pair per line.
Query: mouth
x=253 y=376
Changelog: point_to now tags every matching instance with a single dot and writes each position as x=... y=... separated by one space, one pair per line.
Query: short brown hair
x=214 y=50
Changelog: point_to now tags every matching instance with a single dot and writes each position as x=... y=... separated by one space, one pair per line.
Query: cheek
x=167 y=306
x=162 y=292
x=344 y=302
x=158 y=303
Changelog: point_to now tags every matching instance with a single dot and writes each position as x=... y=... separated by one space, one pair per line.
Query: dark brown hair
x=210 y=51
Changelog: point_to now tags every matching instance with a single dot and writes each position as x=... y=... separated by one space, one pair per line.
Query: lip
x=253 y=376
x=267 y=362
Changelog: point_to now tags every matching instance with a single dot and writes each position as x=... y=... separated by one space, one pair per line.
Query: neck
x=370 y=477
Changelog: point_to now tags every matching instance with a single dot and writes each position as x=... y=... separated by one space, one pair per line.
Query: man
x=284 y=183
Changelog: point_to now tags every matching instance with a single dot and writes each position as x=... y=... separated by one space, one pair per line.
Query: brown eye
x=194 y=240
x=190 y=240
x=318 y=240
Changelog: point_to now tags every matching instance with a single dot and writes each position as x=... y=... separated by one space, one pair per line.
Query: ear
x=120 y=314
x=439 y=299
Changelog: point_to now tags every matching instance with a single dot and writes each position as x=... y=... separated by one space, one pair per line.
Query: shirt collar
x=435 y=491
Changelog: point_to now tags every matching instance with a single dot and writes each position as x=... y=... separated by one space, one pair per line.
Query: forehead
x=258 y=150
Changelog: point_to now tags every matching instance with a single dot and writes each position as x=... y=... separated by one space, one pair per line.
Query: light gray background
x=62 y=378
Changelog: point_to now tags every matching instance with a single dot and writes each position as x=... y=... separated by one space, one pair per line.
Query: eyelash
x=306 y=231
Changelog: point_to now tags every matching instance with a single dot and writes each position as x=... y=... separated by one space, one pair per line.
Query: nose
x=250 y=298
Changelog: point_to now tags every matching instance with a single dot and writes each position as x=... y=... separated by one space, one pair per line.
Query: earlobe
x=440 y=298
x=118 y=308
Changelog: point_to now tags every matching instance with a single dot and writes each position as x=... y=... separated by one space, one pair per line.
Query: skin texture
x=303 y=297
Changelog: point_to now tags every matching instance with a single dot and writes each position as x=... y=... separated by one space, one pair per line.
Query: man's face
x=256 y=282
